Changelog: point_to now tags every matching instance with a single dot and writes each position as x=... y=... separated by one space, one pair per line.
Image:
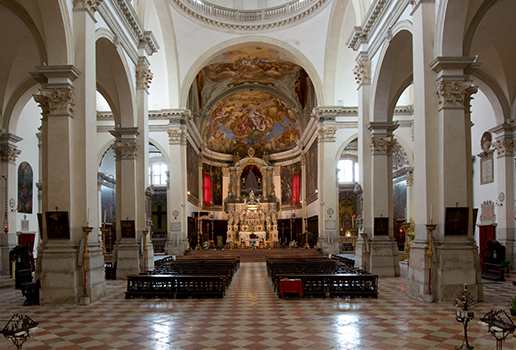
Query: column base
x=384 y=257
x=178 y=250
x=456 y=263
x=127 y=254
x=330 y=248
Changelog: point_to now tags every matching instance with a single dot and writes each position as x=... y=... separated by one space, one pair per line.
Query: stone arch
x=297 y=57
x=393 y=76
x=343 y=147
x=161 y=149
x=450 y=27
x=115 y=82
x=495 y=95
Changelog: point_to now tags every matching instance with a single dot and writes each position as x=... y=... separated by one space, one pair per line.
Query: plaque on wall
x=486 y=170
x=175 y=226
x=381 y=226
x=330 y=225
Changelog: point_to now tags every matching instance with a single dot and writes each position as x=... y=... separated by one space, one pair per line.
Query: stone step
x=6 y=282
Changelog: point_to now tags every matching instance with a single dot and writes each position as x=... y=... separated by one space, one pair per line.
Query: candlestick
x=105 y=213
x=431 y=214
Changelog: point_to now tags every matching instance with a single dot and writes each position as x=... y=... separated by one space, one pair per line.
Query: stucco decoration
x=254 y=118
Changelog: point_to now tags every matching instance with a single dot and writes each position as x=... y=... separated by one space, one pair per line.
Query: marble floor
x=252 y=317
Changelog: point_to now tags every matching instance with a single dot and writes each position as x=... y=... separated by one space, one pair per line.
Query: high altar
x=251 y=205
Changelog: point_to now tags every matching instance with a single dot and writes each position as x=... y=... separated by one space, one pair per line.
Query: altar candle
x=88 y=217
x=431 y=214
x=105 y=212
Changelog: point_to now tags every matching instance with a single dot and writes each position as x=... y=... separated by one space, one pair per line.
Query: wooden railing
x=272 y=13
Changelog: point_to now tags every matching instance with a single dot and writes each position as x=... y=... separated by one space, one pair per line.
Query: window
x=158 y=174
x=348 y=171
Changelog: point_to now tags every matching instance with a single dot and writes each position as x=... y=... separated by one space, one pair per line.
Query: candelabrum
x=430 y=253
x=464 y=302
x=408 y=228
x=104 y=231
x=85 y=257
x=17 y=329
x=364 y=249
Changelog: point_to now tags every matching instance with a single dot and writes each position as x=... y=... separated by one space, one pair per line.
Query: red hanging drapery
x=207 y=189
x=296 y=189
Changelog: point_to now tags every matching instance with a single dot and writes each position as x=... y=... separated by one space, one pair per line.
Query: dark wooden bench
x=493 y=272
x=150 y=286
x=200 y=286
x=351 y=285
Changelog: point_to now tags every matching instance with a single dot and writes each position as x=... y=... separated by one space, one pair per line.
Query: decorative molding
x=276 y=171
x=360 y=33
x=225 y=171
x=504 y=147
x=55 y=101
x=176 y=136
x=143 y=76
x=9 y=154
x=327 y=134
x=362 y=72
x=90 y=5
x=227 y=19
x=410 y=179
x=382 y=145
x=400 y=159
x=125 y=149
x=455 y=93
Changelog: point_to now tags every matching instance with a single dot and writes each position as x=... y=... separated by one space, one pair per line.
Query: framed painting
x=127 y=228
x=456 y=221
x=25 y=180
x=381 y=226
x=58 y=226
x=486 y=170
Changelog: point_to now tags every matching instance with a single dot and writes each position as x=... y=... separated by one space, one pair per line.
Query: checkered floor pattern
x=252 y=317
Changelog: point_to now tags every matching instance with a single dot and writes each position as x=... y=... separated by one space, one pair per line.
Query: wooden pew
x=150 y=286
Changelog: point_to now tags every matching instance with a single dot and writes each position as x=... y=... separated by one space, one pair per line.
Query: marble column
x=504 y=172
x=362 y=73
x=329 y=239
x=383 y=257
x=456 y=253
x=127 y=250
x=177 y=197
x=8 y=189
x=143 y=80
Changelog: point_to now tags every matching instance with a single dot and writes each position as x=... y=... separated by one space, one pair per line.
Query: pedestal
x=384 y=257
x=127 y=258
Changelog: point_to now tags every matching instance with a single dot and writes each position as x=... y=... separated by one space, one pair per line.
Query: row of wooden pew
x=196 y=278
x=321 y=277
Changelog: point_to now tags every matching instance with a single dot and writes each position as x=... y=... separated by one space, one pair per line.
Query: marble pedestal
x=384 y=257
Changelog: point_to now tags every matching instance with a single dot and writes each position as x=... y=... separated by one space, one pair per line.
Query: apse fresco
x=254 y=118
x=250 y=64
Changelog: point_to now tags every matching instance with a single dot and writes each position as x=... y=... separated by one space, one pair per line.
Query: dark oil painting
x=25 y=179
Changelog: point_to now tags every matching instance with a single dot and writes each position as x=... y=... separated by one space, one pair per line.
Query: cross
x=160 y=213
x=456 y=204
x=57 y=208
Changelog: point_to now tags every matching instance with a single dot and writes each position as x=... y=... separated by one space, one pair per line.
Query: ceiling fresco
x=251 y=118
x=251 y=65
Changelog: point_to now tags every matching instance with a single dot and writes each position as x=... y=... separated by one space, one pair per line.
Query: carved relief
x=455 y=93
x=55 y=102
x=381 y=145
x=362 y=72
x=277 y=171
x=90 y=5
x=9 y=154
x=176 y=136
x=399 y=157
x=327 y=134
x=125 y=150
x=504 y=147
x=225 y=171
x=143 y=76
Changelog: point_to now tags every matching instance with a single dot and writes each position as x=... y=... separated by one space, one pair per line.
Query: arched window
x=158 y=174
x=348 y=171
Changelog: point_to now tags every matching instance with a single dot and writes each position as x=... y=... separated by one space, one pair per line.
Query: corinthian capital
x=125 y=150
x=455 y=93
x=143 y=76
x=90 y=5
x=382 y=145
x=9 y=154
x=362 y=72
x=327 y=134
x=504 y=147
x=55 y=101
x=176 y=136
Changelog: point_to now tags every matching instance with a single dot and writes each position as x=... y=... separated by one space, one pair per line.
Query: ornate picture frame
x=381 y=226
x=127 y=228
x=486 y=170
x=58 y=226
x=456 y=221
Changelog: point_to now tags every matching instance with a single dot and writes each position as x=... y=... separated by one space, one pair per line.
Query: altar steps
x=254 y=255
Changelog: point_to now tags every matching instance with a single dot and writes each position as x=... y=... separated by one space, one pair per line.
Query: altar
x=245 y=236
